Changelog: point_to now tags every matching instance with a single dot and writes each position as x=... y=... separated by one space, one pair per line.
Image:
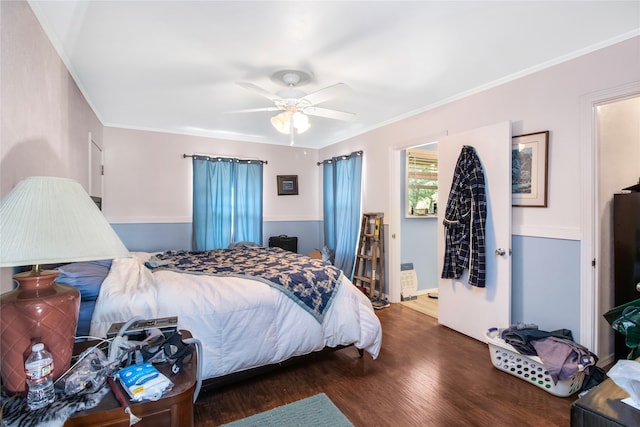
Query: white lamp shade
x=48 y=220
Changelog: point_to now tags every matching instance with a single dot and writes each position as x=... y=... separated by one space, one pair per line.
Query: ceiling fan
x=295 y=104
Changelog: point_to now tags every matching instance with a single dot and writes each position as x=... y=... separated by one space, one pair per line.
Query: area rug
x=316 y=410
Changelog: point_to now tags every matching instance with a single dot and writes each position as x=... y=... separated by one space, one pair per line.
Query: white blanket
x=241 y=323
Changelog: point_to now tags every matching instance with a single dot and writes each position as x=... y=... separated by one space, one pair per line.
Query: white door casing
x=590 y=312
x=467 y=309
x=95 y=168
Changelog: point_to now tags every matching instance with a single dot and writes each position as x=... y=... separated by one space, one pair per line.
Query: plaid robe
x=464 y=221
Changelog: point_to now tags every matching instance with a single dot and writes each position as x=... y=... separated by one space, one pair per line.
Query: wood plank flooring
x=426 y=375
x=423 y=304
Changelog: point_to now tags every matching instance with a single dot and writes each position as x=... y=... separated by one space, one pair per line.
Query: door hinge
x=593 y=262
x=102 y=170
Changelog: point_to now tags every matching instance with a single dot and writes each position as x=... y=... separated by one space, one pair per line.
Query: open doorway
x=618 y=159
x=418 y=223
x=491 y=305
x=595 y=333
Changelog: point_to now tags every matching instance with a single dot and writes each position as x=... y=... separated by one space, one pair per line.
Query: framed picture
x=529 y=169
x=287 y=185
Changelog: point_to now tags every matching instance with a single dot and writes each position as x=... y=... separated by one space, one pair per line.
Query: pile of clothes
x=561 y=355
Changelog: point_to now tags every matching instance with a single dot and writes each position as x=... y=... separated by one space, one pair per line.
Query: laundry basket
x=528 y=368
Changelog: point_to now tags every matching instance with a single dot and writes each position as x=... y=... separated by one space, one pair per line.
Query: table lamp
x=46 y=220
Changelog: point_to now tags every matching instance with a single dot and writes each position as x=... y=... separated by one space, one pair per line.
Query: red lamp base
x=39 y=310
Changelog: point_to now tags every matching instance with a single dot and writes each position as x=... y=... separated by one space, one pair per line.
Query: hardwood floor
x=426 y=375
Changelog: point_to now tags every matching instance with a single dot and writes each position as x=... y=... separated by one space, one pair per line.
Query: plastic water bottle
x=39 y=375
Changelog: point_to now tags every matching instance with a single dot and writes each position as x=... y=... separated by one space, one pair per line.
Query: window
x=421 y=182
x=227 y=202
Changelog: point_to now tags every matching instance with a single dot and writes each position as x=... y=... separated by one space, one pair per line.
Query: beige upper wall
x=147 y=179
x=45 y=120
x=546 y=100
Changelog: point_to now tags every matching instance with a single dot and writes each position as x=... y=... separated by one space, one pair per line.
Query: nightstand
x=174 y=409
x=602 y=407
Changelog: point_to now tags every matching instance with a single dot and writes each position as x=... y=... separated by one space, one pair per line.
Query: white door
x=464 y=308
x=95 y=169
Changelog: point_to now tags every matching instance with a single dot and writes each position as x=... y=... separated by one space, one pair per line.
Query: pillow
x=87 y=277
x=243 y=245
x=84 y=318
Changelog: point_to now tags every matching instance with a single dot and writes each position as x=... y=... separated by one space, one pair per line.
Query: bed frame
x=236 y=377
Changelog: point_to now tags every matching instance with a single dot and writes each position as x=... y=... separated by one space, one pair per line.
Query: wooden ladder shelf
x=369 y=269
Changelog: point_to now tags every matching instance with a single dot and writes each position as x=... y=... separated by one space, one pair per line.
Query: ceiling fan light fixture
x=291 y=77
x=282 y=122
x=301 y=122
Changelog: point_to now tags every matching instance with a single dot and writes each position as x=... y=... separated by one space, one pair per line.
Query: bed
x=246 y=315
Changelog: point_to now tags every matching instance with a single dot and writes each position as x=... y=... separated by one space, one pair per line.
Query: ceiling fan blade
x=325 y=94
x=255 y=110
x=257 y=89
x=330 y=114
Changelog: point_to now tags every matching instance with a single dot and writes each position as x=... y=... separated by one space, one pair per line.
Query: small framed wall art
x=529 y=158
x=287 y=185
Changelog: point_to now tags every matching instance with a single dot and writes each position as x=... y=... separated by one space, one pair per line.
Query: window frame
x=426 y=156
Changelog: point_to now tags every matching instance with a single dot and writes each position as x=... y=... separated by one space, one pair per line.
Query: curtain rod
x=184 y=156
x=343 y=157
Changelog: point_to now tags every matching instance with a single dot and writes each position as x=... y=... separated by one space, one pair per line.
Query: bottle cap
x=37 y=347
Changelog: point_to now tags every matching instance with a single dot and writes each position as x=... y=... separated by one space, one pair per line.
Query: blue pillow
x=87 y=277
x=84 y=318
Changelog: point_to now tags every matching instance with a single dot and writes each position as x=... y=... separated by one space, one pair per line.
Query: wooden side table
x=174 y=409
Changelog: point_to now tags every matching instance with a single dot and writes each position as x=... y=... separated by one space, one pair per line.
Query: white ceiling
x=170 y=66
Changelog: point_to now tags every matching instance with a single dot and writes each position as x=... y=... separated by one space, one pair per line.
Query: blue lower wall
x=545 y=283
x=310 y=233
x=155 y=237
x=152 y=237
x=419 y=246
x=545 y=272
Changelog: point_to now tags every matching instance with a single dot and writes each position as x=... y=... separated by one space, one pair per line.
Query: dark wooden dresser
x=626 y=253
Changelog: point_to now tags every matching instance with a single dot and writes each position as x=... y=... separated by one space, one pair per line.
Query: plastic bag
x=91 y=371
x=625 y=319
x=626 y=374
x=144 y=382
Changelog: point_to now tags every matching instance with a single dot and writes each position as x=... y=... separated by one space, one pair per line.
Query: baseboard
x=606 y=361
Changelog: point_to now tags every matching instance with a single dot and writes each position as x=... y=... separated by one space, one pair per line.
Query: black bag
x=289 y=243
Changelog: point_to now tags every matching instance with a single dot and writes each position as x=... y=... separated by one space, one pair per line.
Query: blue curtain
x=227 y=202
x=342 y=189
x=328 y=191
x=247 y=226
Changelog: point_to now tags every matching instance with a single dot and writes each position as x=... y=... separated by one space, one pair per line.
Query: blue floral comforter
x=309 y=282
